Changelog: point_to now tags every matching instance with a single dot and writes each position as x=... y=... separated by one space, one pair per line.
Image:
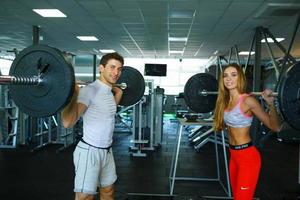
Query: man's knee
x=81 y=196
x=107 y=193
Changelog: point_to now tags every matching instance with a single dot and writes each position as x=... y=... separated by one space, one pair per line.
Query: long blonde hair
x=223 y=95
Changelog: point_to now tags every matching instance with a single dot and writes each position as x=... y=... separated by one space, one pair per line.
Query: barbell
x=41 y=81
x=200 y=94
x=205 y=93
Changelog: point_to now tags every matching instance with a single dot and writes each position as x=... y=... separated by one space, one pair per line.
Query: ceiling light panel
x=87 y=38
x=107 y=50
x=176 y=52
x=181 y=13
x=270 y=40
x=178 y=39
x=49 y=12
x=243 y=53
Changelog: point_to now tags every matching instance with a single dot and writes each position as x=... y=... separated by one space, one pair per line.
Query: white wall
x=178 y=71
x=5 y=66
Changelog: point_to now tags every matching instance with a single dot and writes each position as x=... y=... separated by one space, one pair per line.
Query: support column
x=94 y=67
x=35 y=35
x=255 y=128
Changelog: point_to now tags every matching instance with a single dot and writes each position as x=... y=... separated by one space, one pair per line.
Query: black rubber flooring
x=47 y=175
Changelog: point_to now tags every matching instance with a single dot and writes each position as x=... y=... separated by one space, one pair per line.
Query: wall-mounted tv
x=155 y=69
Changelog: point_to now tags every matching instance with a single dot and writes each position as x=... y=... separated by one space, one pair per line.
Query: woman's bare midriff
x=238 y=136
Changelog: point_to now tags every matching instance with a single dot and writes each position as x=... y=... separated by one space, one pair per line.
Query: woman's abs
x=238 y=136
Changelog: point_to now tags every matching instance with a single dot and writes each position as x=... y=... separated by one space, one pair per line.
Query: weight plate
x=135 y=86
x=57 y=87
x=289 y=95
x=192 y=93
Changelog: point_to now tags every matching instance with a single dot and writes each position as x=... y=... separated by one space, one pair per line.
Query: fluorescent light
x=270 y=40
x=87 y=38
x=179 y=52
x=246 y=52
x=178 y=39
x=181 y=13
x=5 y=38
x=49 y=12
x=84 y=74
x=107 y=50
x=216 y=52
x=41 y=38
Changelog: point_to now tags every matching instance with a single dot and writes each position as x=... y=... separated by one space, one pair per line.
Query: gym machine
x=147 y=123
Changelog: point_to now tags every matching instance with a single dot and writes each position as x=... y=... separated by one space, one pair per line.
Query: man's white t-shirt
x=99 y=118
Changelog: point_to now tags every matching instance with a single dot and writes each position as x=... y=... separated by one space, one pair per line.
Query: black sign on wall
x=155 y=70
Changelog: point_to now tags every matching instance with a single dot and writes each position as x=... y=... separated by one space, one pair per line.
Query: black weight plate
x=192 y=93
x=58 y=81
x=289 y=95
x=135 y=86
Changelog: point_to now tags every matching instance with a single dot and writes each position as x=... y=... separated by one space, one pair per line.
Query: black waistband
x=107 y=148
x=241 y=146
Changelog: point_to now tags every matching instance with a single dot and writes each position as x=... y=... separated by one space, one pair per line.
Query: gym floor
x=47 y=175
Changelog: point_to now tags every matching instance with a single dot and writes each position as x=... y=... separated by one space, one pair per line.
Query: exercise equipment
x=135 y=86
x=289 y=95
x=200 y=93
x=192 y=92
x=41 y=81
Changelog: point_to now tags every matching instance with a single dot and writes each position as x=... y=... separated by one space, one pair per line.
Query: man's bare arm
x=72 y=112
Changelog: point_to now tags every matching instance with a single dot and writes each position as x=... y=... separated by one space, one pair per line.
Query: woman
x=234 y=111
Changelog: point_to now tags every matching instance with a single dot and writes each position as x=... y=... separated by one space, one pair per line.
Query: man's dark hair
x=109 y=56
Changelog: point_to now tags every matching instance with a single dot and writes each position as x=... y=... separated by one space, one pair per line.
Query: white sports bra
x=236 y=117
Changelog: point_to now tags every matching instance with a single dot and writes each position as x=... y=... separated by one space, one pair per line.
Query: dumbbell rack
x=202 y=135
x=44 y=135
x=11 y=115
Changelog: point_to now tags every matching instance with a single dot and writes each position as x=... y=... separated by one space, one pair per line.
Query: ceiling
x=141 y=28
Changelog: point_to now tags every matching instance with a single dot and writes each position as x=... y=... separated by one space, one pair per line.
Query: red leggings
x=244 y=167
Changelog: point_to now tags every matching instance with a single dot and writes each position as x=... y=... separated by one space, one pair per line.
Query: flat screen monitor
x=155 y=69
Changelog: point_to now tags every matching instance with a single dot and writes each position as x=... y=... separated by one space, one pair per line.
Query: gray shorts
x=94 y=168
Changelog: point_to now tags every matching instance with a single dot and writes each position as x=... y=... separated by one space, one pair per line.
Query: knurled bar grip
x=17 y=80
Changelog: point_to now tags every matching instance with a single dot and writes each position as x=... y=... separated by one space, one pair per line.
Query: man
x=93 y=157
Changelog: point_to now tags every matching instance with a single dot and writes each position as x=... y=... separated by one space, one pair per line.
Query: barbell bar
x=37 y=80
x=123 y=86
x=205 y=93
x=14 y=80
x=41 y=81
x=273 y=94
x=201 y=89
